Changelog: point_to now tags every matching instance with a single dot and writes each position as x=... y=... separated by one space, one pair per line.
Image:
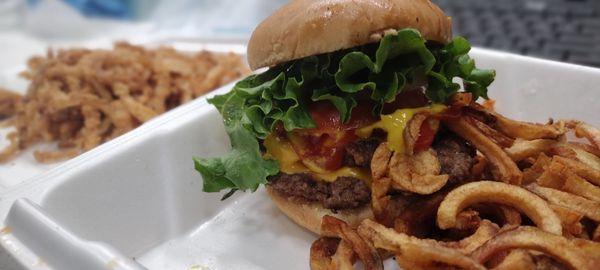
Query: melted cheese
x=289 y=162
x=395 y=123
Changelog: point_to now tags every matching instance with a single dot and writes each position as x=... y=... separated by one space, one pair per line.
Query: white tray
x=25 y=166
x=136 y=202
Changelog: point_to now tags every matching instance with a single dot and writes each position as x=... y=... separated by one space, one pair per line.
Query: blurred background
x=565 y=30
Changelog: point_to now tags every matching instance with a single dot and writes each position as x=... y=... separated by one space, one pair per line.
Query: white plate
x=140 y=197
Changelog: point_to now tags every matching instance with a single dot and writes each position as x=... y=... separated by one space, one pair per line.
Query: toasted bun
x=309 y=215
x=303 y=28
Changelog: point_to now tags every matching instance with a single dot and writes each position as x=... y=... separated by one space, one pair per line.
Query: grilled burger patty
x=344 y=193
x=360 y=153
x=455 y=155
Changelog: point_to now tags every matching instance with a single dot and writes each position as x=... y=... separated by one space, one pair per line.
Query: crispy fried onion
x=418 y=173
x=8 y=103
x=502 y=166
x=574 y=253
x=588 y=208
x=79 y=98
x=559 y=176
x=412 y=252
x=323 y=258
x=496 y=192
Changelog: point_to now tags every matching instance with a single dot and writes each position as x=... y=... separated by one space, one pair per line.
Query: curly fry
x=501 y=214
x=421 y=253
x=418 y=173
x=582 y=129
x=502 y=166
x=519 y=129
x=321 y=251
x=577 y=203
x=531 y=174
x=496 y=192
x=580 y=169
x=516 y=259
x=334 y=227
x=570 y=219
x=484 y=232
x=558 y=176
x=522 y=149
x=576 y=253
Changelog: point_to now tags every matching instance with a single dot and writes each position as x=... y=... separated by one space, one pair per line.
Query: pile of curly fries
x=533 y=201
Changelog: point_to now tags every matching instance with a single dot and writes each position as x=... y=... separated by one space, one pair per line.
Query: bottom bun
x=309 y=215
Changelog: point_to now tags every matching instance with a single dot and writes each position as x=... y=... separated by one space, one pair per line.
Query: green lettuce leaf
x=243 y=167
x=280 y=96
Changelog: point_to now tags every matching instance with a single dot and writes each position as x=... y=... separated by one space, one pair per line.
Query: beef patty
x=344 y=193
x=360 y=153
x=456 y=157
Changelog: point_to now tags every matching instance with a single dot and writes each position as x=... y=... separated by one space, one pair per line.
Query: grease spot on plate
x=199 y=267
x=112 y=264
x=5 y=230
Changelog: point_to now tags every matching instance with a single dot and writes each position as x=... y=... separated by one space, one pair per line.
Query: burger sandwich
x=347 y=92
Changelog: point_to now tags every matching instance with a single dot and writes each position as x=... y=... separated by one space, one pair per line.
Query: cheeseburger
x=348 y=91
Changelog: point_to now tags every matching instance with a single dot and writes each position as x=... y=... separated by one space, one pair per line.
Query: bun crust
x=303 y=28
x=309 y=215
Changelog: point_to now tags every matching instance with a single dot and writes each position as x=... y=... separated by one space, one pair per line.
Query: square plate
x=139 y=196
